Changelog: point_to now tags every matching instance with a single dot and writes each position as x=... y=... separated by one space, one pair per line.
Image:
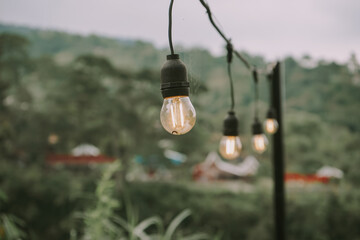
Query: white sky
x=274 y=28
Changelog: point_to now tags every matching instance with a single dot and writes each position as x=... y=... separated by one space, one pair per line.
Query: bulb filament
x=177 y=115
x=230 y=146
x=259 y=143
x=270 y=126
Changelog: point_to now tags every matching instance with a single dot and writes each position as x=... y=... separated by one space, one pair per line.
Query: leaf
x=12 y=230
x=124 y=224
x=139 y=230
x=175 y=223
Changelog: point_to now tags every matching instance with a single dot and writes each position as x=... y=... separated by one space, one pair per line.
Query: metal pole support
x=278 y=155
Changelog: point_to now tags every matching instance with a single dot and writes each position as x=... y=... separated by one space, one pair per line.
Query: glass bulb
x=230 y=147
x=259 y=143
x=177 y=115
x=271 y=125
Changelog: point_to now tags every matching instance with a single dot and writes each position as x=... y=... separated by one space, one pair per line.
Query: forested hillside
x=105 y=92
x=321 y=102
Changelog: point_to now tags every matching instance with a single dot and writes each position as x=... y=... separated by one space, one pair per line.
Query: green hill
x=103 y=91
x=322 y=102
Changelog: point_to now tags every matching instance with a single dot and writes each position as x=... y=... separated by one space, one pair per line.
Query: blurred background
x=83 y=154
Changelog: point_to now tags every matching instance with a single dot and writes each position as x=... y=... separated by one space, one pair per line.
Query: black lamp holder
x=271 y=114
x=231 y=125
x=174 y=80
x=257 y=127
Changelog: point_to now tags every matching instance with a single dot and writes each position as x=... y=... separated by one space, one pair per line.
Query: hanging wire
x=216 y=20
x=218 y=23
x=251 y=68
x=246 y=63
x=212 y=20
x=229 y=48
x=210 y=15
x=170 y=27
x=256 y=83
x=269 y=78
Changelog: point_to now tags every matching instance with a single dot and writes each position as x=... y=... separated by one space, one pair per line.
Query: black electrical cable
x=212 y=20
x=256 y=81
x=269 y=77
x=229 y=60
x=170 y=27
x=246 y=63
x=251 y=68
x=206 y=6
x=231 y=88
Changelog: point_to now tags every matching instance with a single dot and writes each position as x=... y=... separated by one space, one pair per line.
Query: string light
x=230 y=144
x=177 y=114
x=259 y=140
x=271 y=124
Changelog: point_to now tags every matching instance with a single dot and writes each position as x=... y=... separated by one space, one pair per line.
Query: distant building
x=330 y=172
x=176 y=158
x=214 y=168
x=81 y=155
x=323 y=175
x=85 y=150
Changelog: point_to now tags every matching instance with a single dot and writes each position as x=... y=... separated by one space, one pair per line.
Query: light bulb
x=230 y=147
x=271 y=125
x=177 y=115
x=259 y=143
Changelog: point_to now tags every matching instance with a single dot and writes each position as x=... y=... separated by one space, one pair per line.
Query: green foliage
x=98 y=220
x=106 y=92
x=102 y=222
x=10 y=225
x=44 y=199
x=317 y=212
x=13 y=64
x=213 y=212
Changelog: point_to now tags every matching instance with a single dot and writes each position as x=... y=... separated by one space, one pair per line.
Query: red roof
x=75 y=160
x=305 y=178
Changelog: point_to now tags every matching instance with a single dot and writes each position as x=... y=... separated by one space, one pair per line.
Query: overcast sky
x=274 y=28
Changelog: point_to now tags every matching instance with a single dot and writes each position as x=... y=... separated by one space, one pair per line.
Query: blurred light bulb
x=230 y=147
x=177 y=115
x=53 y=139
x=259 y=143
x=271 y=125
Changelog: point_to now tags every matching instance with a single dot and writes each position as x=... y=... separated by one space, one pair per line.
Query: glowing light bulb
x=230 y=144
x=271 y=125
x=230 y=147
x=259 y=143
x=177 y=115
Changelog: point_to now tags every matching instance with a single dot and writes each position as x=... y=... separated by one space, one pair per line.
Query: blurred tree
x=14 y=62
x=111 y=108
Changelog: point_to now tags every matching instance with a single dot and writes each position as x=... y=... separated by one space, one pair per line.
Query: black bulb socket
x=257 y=127
x=174 y=81
x=231 y=125
x=271 y=114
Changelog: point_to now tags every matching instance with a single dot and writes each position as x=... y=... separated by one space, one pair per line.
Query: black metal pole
x=278 y=156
